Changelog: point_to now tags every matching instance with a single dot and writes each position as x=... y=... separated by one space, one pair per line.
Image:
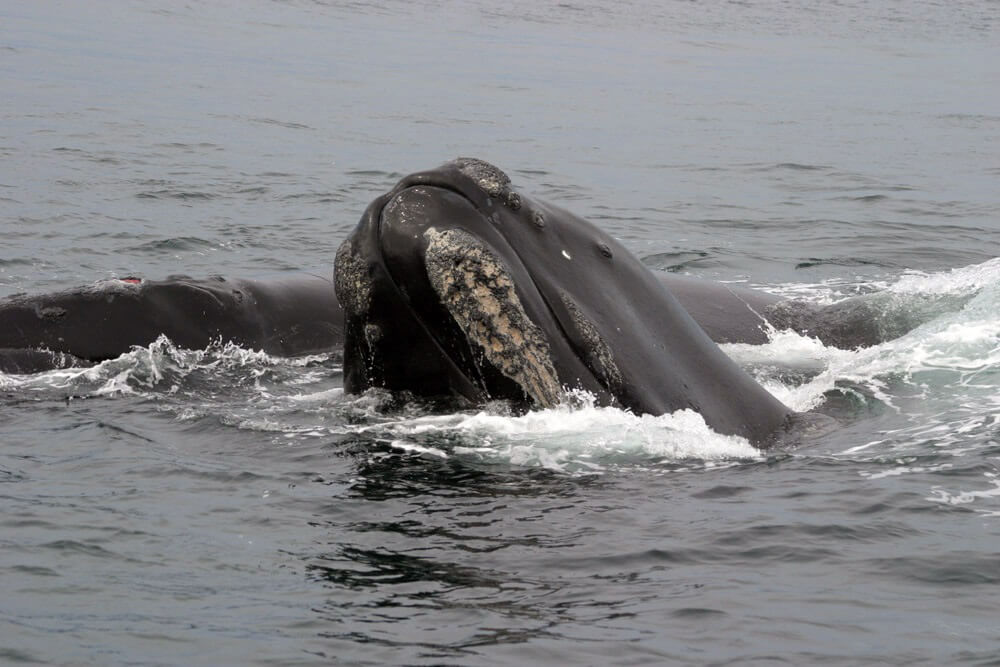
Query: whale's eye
x=538 y=218
x=605 y=250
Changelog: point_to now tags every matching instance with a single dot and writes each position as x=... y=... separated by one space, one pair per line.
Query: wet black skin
x=103 y=321
x=666 y=360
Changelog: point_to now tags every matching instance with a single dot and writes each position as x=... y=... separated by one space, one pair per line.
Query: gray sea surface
x=221 y=506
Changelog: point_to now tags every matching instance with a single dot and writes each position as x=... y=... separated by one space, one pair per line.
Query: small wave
x=317 y=197
x=187 y=243
x=794 y=166
x=374 y=173
x=970 y=119
x=676 y=262
x=191 y=148
x=564 y=191
x=101 y=158
x=10 y=475
x=254 y=190
x=169 y=193
x=838 y=261
x=864 y=199
x=281 y=123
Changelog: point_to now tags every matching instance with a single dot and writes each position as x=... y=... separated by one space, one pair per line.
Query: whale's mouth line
x=472 y=386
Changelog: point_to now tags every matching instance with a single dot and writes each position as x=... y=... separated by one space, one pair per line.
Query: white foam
x=962 y=280
x=790 y=351
x=990 y=495
x=573 y=436
x=962 y=344
x=905 y=470
x=161 y=361
x=318 y=397
x=822 y=293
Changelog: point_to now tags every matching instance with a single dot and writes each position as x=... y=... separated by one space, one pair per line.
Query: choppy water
x=225 y=507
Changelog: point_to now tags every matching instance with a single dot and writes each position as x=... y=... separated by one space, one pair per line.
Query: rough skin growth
x=477 y=290
x=351 y=281
x=492 y=180
x=597 y=354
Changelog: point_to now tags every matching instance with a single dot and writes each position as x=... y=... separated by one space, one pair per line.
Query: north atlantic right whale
x=454 y=284
x=580 y=311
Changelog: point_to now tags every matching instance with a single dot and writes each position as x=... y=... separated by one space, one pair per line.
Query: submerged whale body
x=105 y=320
x=455 y=284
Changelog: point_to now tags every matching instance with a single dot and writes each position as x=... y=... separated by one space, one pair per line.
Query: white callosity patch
x=492 y=180
x=597 y=355
x=476 y=288
x=351 y=280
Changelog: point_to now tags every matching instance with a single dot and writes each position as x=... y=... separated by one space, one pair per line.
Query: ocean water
x=221 y=506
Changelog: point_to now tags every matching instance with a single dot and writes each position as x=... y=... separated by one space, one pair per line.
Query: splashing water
x=575 y=436
x=917 y=376
x=914 y=377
